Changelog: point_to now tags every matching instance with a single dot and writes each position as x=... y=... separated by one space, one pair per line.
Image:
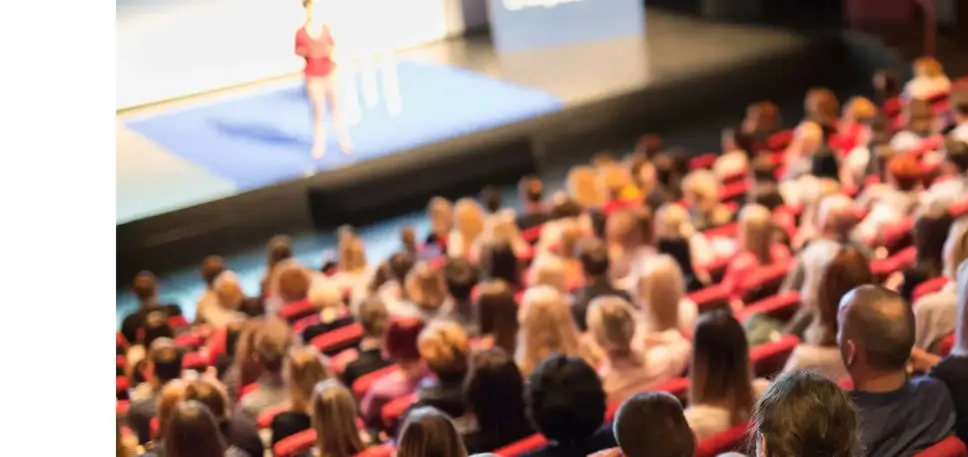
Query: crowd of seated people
x=800 y=292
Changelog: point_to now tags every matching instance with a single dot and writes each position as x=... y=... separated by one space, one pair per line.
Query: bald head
x=835 y=214
x=877 y=328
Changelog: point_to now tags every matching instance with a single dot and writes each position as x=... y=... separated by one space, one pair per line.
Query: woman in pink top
x=757 y=248
x=401 y=344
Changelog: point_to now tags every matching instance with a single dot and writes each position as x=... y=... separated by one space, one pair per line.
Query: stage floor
x=187 y=152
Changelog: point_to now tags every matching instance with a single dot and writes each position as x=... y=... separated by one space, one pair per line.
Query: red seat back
x=523 y=446
x=780 y=140
x=929 y=287
x=363 y=383
x=947 y=343
x=781 y=306
x=293 y=445
x=731 y=440
x=296 y=310
x=334 y=341
x=768 y=359
x=949 y=447
x=710 y=298
x=765 y=281
x=393 y=411
x=383 y=450
x=703 y=161
x=266 y=416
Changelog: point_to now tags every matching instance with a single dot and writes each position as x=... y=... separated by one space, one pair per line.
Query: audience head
x=401 y=339
x=280 y=248
x=470 y=220
x=333 y=417
x=956 y=153
x=860 y=110
x=272 y=342
x=887 y=84
x=848 y=270
x=427 y=432
x=701 y=190
x=615 y=179
x=426 y=287
x=927 y=67
x=672 y=222
x=876 y=333
x=821 y=106
x=156 y=326
x=294 y=283
x=491 y=199
x=444 y=346
x=212 y=266
x=211 y=394
x=441 y=215
x=400 y=265
x=499 y=262
x=807 y=138
x=904 y=171
x=531 y=190
x=931 y=227
x=408 y=239
x=763 y=116
x=763 y=170
x=652 y=424
x=165 y=361
x=193 y=432
x=803 y=413
x=660 y=289
x=565 y=399
x=756 y=232
x=720 y=372
x=549 y=271
x=955 y=247
x=547 y=326
x=611 y=321
x=498 y=314
x=304 y=369
x=585 y=187
x=374 y=318
x=352 y=255
x=326 y=295
x=228 y=290
x=648 y=145
x=245 y=353
x=627 y=229
x=495 y=391
x=171 y=395
x=593 y=255
x=460 y=277
x=835 y=216
x=145 y=287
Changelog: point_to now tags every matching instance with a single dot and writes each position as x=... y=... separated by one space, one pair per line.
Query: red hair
x=401 y=338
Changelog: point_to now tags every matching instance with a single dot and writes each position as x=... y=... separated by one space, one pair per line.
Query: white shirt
x=934 y=316
x=927 y=87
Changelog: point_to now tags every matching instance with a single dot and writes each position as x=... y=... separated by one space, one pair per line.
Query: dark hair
x=905 y=170
x=883 y=322
x=824 y=164
x=651 y=424
x=565 y=399
x=156 y=326
x=232 y=333
x=803 y=413
x=959 y=101
x=849 y=269
x=930 y=231
x=741 y=140
x=497 y=313
x=145 y=287
x=531 y=189
x=565 y=209
x=461 y=277
x=280 y=248
x=193 y=432
x=764 y=170
x=593 y=255
x=408 y=238
x=427 y=432
x=166 y=363
x=401 y=337
x=212 y=266
x=500 y=262
x=208 y=394
x=887 y=84
x=400 y=265
x=491 y=199
x=956 y=152
x=720 y=371
x=667 y=173
x=495 y=392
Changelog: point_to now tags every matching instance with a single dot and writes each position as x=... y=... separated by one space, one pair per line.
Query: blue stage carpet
x=265 y=138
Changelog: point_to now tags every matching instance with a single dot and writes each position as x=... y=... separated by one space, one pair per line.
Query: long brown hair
x=334 y=419
x=171 y=394
x=193 y=432
x=245 y=359
x=497 y=314
x=847 y=270
x=720 y=372
x=426 y=287
x=427 y=432
x=304 y=369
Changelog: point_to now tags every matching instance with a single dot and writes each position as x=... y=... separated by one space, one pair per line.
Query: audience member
x=193 y=432
x=899 y=416
x=353 y=273
x=212 y=267
x=929 y=80
x=327 y=297
x=676 y=237
x=822 y=107
x=499 y=262
x=952 y=190
x=919 y=123
x=762 y=120
x=495 y=393
x=721 y=386
x=146 y=290
x=803 y=413
x=594 y=258
x=333 y=417
x=164 y=363
x=304 y=369
x=547 y=327
x=668 y=315
x=931 y=226
x=567 y=404
x=226 y=301
x=497 y=314
x=374 y=318
x=757 y=248
x=887 y=85
x=401 y=345
x=491 y=199
x=441 y=215
x=245 y=368
x=807 y=138
x=445 y=349
x=171 y=395
x=763 y=185
x=935 y=312
x=461 y=277
x=392 y=291
x=652 y=424
x=270 y=345
x=701 y=192
x=429 y=433
x=238 y=431
x=279 y=250
x=531 y=193
x=469 y=224
x=629 y=238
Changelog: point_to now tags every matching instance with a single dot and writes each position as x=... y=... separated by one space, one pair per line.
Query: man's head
x=211 y=394
x=461 y=277
x=593 y=255
x=876 y=332
x=531 y=190
x=374 y=317
x=400 y=265
x=565 y=399
x=294 y=282
x=145 y=287
x=956 y=154
x=271 y=345
x=165 y=360
x=491 y=199
x=228 y=290
x=212 y=266
x=651 y=424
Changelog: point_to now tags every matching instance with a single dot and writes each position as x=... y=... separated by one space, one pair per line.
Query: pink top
x=318 y=52
x=745 y=264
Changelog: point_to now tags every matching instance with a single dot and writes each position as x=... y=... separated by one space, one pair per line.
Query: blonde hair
x=568 y=238
x=546 y=327
x=171 y=395
x=807 y=138
x=470 y=222
x=444 y=346
x=228 y=290
x=352 y=255
x=701 y=186
x=304 y=369
x=611 y=321
x=550 y=271
x=426 y=287
x=628 y=228
x=585 y=187
x=333 y=417
x=756 y=232
x=660 y=289
x=928 y=67
x=859 y=109
x=502 y=227
x=672 y=221
x=615 y=178
x=821 y=105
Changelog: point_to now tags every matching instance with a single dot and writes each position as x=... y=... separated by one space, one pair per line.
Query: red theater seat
x=710 y=298
x=725 y=231
x=897 y=262
x=676 y=386
x=383 y=450
x=393 y=411
x=929 y=287
x=949 y=447
x=733 y=192
x=294 y=311
x=781 y=306
x=959 y=209
x=265 y=417
x=780 y=140
x=529 y=444
x=121 y=407
x=532 y=234
x=703 y=161
x=337 y=340
x=190 y=340
x=363 y=383
x=248 y=389
x=122 y=385
x=731 y=440
x=194 y=361
x=946 y=344
x=294 y=445
x=178 y=321
x=768 y=359
x=765 y=281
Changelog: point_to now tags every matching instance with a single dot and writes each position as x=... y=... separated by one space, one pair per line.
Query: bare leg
x=332 y=99
x=315 y=87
